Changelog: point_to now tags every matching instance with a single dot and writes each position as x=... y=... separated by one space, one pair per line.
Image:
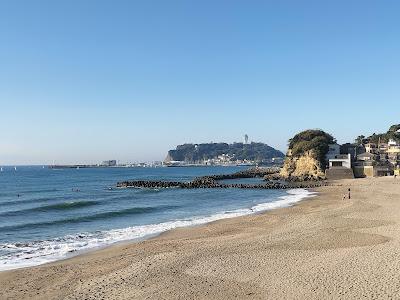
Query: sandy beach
x=322 y=248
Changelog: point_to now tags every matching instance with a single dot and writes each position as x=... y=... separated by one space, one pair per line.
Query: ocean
x=49 y=214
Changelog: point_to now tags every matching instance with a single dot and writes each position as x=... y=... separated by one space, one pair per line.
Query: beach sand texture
x=322 y=248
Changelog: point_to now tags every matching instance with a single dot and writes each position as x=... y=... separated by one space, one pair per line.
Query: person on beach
x=344 y=197
x=349 y=194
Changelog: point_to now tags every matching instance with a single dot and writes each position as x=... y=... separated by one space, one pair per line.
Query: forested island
x=220 y=153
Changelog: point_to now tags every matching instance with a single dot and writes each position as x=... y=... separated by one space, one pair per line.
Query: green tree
x=314 y=140
x=360 y=140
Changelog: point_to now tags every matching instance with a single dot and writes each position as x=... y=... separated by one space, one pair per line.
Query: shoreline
x=290 y=198
x=322 y=247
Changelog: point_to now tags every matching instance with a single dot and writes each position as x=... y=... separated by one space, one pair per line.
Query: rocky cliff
x=302 y=167
x=305 y=159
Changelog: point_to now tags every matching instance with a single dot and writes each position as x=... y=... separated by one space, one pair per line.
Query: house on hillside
x=367 y=156
x=371 y=148
x=340 y=160
x=382 y=147
x=381 y=157
x=372 y=165
x=393 y=153
x=339 y=165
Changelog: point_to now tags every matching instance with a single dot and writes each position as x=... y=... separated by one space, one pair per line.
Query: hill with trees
x=193 y=153
x=305 y=158
x=393 y=133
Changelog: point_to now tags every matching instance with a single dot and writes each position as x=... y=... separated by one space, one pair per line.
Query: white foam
x=36 y=253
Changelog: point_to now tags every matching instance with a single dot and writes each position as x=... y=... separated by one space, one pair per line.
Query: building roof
x=340 y=157
x=366 y=154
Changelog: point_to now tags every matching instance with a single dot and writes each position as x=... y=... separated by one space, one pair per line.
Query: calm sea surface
x=48 y=214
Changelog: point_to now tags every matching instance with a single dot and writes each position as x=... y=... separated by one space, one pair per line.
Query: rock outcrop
x=305 y=159
x=303 y=167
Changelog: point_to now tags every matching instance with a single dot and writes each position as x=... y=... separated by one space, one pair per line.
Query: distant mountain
x=238 y=151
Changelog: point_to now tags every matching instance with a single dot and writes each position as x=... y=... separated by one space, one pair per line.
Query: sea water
x=50 y=214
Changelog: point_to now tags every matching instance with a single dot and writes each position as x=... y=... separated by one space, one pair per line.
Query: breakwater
x=214 y=181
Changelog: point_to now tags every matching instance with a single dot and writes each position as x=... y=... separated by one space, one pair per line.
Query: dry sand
x=322 y=248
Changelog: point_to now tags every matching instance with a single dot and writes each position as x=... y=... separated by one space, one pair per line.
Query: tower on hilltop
x=246 y=139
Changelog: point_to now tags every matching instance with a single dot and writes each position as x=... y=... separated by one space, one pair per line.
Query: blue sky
x=85 y=81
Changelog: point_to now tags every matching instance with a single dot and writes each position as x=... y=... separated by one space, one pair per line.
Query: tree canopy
x=385 y=137
x=198 y=152
x=314 y=139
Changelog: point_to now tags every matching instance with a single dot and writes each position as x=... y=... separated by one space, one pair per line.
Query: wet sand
x=322 y=248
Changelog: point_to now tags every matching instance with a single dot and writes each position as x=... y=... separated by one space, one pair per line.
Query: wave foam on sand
x=34 y=253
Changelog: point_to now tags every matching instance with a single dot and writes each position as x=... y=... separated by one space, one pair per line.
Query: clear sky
x=84 y=81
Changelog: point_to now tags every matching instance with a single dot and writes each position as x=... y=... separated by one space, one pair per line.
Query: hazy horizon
x=83 y=82
x=100 y=159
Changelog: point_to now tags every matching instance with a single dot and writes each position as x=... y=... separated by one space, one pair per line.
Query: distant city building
x=109 y=163
x=277 y=160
